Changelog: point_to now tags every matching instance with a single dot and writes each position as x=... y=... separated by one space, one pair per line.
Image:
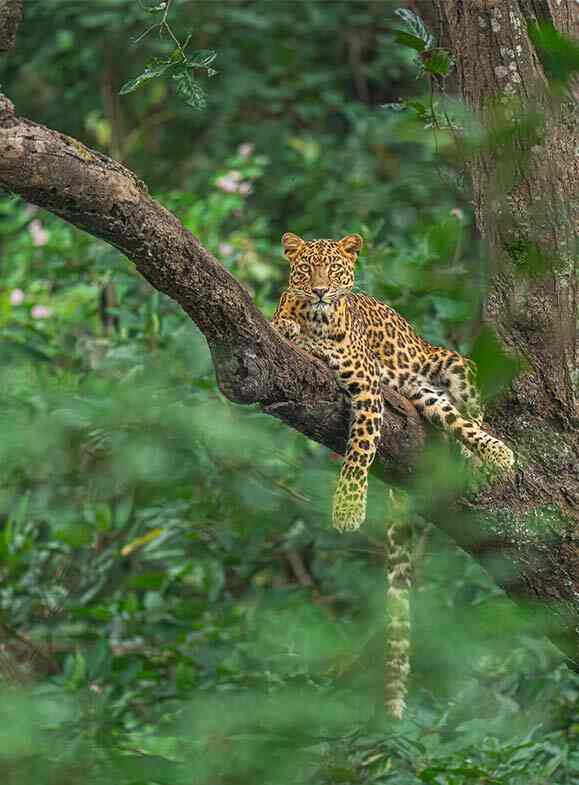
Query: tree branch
x=252 y=362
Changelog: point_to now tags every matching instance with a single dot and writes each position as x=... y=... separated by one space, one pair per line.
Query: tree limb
x=252 y=362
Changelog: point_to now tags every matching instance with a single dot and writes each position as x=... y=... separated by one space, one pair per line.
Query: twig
x=36 y=653
x=298 y=567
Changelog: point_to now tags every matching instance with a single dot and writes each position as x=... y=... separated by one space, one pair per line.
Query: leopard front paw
x=287 y=328
x=349 y=511
x=349 y=519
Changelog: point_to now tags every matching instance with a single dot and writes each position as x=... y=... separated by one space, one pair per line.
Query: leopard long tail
x=399 y=578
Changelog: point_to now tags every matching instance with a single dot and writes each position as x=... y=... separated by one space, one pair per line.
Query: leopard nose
x=320 y=291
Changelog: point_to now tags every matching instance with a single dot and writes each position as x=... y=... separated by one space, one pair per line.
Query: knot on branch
x=239 y=375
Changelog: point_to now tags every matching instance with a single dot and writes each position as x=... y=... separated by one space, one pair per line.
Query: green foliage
x=419 y=38
x=178 y=64
x=559 y=53
x=302 y=83
x=431 y=60
x=495 y=368
x=154 y=542
x=174 y=607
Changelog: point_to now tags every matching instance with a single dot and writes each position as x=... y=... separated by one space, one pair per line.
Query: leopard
x=367 y=343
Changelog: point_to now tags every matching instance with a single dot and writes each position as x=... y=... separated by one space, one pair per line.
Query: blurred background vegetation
x=174 y=606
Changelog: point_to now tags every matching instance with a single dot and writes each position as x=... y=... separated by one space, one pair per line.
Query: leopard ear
x=291 y=243
x=351 y=244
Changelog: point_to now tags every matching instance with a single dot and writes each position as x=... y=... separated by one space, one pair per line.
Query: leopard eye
x=303 y=268
x=334 y=268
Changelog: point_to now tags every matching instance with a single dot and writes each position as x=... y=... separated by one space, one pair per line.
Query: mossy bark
x=525 y=188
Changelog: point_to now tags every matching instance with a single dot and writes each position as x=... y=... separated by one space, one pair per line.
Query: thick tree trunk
x=254 y=365
x=525 y=189
x=525 y=186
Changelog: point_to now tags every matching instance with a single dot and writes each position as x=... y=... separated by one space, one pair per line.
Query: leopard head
x=321 y=271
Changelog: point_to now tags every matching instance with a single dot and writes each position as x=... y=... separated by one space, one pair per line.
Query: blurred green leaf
x=437 y=62
x=495 y=368
x=559 y=54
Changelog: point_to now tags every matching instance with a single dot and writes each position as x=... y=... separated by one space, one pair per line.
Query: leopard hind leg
x=437 y=407
x=457 y=375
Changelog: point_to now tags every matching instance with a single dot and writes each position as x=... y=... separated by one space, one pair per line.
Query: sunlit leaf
x=140 y=541
x=152 y=71
x=190 y=89
x=415 y=25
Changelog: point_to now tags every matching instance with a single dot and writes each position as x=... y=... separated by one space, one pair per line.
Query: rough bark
x=525 y=188
x=10 y=16
x=501 y=527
